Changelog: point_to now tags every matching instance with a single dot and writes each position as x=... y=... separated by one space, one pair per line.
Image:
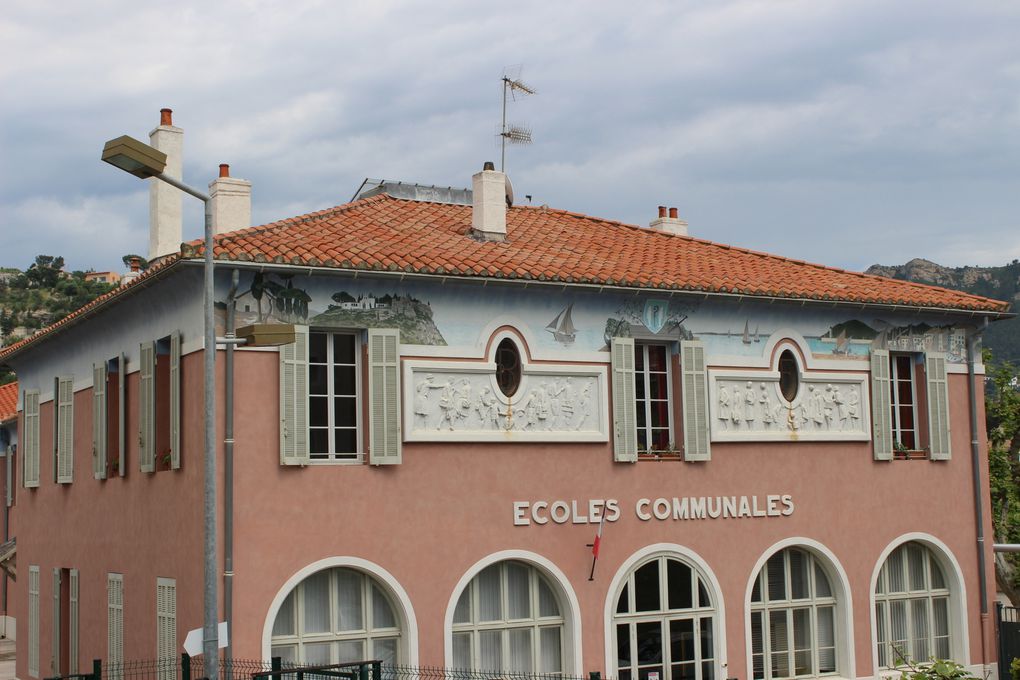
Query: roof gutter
x=311 y=270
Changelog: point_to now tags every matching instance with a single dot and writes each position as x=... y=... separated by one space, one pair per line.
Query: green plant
x=939 y=669
x=1014 y=669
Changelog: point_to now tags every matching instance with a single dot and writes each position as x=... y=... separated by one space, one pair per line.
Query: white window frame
x=535 y=623
x=894 y=400
x=644 y=376
x=367 y=634
x=765 y=607
x=359 y=399
x=663 y=616
x=927 y=595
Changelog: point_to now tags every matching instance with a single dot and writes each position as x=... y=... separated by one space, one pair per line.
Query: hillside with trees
x=42 y=294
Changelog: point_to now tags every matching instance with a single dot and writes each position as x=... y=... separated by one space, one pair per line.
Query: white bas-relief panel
x=749 y=406
x=461 y=401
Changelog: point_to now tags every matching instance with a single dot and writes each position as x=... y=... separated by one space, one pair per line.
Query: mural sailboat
x=562 y=327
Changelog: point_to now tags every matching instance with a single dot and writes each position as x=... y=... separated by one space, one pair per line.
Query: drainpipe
x=228 y=469
x=975 y=456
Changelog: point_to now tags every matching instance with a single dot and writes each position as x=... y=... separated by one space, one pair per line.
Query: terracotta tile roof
x=389 y=234
x=8 y=402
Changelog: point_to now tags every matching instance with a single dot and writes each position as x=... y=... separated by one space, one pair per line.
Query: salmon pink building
x=784 y=461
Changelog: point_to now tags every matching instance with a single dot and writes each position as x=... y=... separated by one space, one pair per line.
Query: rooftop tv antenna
x=513 y=87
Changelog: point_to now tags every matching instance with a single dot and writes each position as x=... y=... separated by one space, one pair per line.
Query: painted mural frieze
x=467 y=405
x=746 y=408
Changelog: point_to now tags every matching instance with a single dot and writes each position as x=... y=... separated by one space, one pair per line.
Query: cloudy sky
x=842 y=132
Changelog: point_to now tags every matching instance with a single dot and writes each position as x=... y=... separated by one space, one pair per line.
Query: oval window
x=508 y=367
x=789 y=375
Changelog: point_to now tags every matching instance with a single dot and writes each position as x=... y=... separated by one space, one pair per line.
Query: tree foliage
x=1002 y=419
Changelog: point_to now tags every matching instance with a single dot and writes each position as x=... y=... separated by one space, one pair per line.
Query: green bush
x=941 y=669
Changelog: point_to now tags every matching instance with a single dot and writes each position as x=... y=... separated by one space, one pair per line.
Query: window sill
x=660 y=456
x=910 y=455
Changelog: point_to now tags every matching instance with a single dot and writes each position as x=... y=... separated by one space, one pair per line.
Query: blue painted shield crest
x=655 y=314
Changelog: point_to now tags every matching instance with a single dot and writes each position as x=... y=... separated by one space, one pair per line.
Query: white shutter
x=624 y=401
x=64 y=401
x=294 y=399
x=31 y=457
x=55 y=626
x=147 y=407
x=72 y=623
x=115 y=625
x=175 y=400
x=166 y=627
x=695 y=401
x=122 y=415
x=384 y=396
x=938 y=406
x=881 y=405
x=100 y=437
x=33 y=621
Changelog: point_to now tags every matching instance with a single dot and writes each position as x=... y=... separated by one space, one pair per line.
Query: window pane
x=462 y=650
x=519 y=657
x=657 y=385
x=898 y=630
x=490 y=650
x=343 y=349
x=348 y=596
x=660 y=440
x=316 y=603
x=757 y=645
x=703 y=599
x=382 y=613
x=904 y=393
x=317 y=348
x=681 y=640
x=343 y=380
x=776 y=577
x=346 y=441
x=646 y=587
x=550 y=657
x=518 y=595
x=756 y=590
x=649 y=643
x=822 y=588
x=919 y=619
x=623 y=645
x=883 y=635
x=317 y=380
x=660 y=413
x=317 y=654
x=318 y=441
x=547 y=604
x=799 y=575
x=940 y=608
x=284 y=623
x=345 y=411
x=680 y=585
x=623 y=604
x=826 y=641
x=287 y=653
x=895 y=566
x=462 y=614
x=938 y=581
x=489 y=605
x=656 y=357
x=318 y=411
x=351 y=650
x=385 y=649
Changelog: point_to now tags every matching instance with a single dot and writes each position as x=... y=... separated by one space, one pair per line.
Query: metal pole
x=210 y=643
x=228 y=466
x=502 y=136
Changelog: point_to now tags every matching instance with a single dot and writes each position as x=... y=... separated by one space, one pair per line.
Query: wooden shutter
x=175 y=400
x=294 y=399
x=100 y=437
x=881 y=405
x=72 y=623
x=33 y=621
x=31 y=438
x=115 y=625
x=384 y=396
x=624 y=401
x=695 y=401
x=166 y=627
x=64 y=441
x=147 y=407
x=122 y=415
x=938 y=406
x=55 y=627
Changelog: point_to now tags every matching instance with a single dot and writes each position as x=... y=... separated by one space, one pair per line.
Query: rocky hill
x=1000 y=283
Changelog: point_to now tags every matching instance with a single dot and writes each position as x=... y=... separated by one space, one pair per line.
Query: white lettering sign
x=575 y=511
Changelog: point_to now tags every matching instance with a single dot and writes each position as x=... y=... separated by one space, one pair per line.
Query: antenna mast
x=515 y=134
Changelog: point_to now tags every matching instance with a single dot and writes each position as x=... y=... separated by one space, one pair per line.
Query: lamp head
x=137 y=158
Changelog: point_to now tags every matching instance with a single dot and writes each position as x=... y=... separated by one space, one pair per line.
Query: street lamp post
x=142 y=160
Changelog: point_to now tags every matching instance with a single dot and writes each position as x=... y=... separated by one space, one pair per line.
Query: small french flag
x=595 y=545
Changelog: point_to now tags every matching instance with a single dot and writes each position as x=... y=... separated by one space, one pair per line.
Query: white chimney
x=231 y=202
x=488 y=204
x=669 y=224
x=165 y=200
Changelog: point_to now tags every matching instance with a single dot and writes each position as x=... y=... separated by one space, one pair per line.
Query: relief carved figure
x=744 y=406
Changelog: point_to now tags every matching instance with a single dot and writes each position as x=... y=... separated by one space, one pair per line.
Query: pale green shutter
x=31 y=457
x=115 y=626
x=55 y=621
x=695 y=401
x=122 y=415
x=938 y=406
x=33 y=621
x=881 y=405
x=384 y=396
x=294 y=399
x=175 y=400
x=72 y=623
x=624 y=401
x=147 y=407
x=100 y=437
x=64 y=401
x=166 y=628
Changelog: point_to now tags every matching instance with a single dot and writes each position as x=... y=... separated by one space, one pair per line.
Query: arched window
x=789 y=375
x=664 y=623
x=508 y=619
x=334 y=616
x=508 y=367
x=911 y=607
x=793 y=612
